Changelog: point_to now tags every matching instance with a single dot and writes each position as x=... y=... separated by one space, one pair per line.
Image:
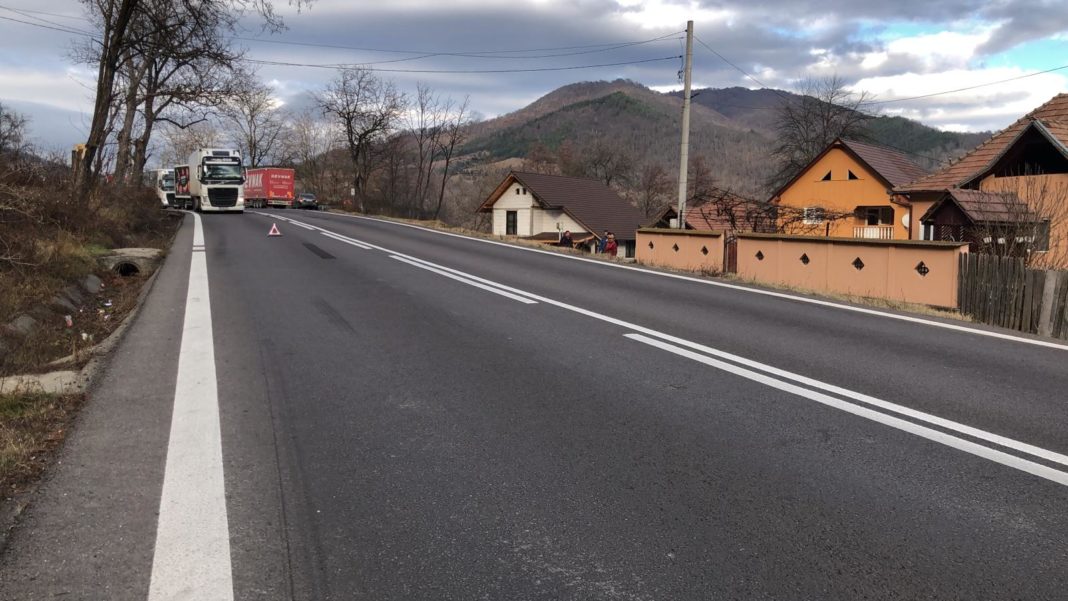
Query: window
x=879 y=215
x=517 y=192
x=511 y=222
x=813 y=215
x=524 y=191
x=826 y=178
x=852 y=175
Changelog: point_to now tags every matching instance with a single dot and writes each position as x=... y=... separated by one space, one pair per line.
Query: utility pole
x=684 y=151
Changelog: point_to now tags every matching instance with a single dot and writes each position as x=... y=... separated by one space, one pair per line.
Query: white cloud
x=988 y=107
x=663 y=14
x=939 y=50
x=71 y=89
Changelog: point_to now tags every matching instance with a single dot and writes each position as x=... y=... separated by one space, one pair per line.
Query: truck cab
x=216 y=180
x=164 y=187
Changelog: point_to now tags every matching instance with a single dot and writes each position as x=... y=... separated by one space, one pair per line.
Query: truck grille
x=222 y=197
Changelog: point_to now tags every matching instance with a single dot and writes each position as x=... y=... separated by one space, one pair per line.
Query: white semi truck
x=164 y=186
x=216 y=180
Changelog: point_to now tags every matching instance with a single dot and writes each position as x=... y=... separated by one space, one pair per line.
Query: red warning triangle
x=274 y=230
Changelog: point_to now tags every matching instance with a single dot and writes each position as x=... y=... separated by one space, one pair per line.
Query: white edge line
x=514 y=297
x=813 y=301
x=882 y=418
x=191 y=555
x=887 y=405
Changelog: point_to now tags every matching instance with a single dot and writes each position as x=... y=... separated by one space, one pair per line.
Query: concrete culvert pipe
x=126 y=269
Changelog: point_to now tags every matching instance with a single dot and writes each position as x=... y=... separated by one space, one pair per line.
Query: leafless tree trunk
x=366 y=108
x=453 y=136
x=654 y=188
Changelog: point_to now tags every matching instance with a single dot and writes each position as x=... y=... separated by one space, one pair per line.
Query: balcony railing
x=874 y=232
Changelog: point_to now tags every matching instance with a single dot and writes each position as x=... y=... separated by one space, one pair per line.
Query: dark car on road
x=306 y=200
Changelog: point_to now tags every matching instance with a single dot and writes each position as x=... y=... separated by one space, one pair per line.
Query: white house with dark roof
x=541 y=207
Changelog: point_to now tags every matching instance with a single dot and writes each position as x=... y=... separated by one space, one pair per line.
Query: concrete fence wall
x=905 y=270
x=680 y=249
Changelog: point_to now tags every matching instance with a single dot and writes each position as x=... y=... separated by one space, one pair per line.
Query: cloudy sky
x=892 y=49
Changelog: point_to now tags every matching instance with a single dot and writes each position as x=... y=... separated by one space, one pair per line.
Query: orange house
x=846 y=192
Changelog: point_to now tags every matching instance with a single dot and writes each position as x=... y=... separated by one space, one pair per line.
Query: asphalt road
x=406 y=414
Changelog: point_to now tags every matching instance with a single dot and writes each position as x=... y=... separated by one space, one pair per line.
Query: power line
x=74 y=31
x=596 y=48
x=530 y=70
x=982 y=85
x=30 y=16
x=41 y=12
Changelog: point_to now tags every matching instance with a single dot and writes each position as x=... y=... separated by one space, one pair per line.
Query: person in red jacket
x=610 y=245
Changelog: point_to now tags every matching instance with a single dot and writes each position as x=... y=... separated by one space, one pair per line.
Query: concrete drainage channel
x=125 y=262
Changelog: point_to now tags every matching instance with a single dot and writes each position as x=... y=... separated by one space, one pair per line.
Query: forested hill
x=732 y=129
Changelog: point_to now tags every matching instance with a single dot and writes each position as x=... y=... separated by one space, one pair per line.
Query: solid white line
x=922 y=431
x=299 y=224
x=887 y=405
x=782 y=295
x=192 y=554
x=346 y=240
x=492 y=289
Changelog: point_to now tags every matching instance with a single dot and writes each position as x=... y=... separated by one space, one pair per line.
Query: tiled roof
x=987 y=207
x=592 y=203
x=1053 y=115
x=893 y=165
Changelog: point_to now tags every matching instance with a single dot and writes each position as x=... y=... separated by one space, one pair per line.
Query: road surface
x=359 y=409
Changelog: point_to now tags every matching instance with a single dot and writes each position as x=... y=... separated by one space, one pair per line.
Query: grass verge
x=32 y=426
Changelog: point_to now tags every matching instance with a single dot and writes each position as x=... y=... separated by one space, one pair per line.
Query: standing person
x=566 y=240
x=602 y=242
x=610 y=245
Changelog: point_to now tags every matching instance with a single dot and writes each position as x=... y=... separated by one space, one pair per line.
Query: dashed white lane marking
x=468 y=281
x=771 y=293
x=192 y=554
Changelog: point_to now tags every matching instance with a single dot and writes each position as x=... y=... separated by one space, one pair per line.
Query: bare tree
x=654 y=188
x=805 y=127
x=452 y=136
x=424 y=124
x=540 y=159
x=254 y=119
x=179 y=142
x=608 y=163
x=365 y=108
x=12 y=131
x=307 y=145
x=118 y=33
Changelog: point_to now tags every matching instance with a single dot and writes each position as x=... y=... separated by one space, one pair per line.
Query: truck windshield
x=167 y=182
x=222 y=171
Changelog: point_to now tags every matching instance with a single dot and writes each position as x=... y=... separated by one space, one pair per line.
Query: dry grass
x=48 y=243
x=32 y=425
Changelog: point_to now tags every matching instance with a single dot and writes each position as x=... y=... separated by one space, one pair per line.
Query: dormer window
x=826 y=178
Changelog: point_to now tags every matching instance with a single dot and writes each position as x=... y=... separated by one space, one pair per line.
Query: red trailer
x=269 y=187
